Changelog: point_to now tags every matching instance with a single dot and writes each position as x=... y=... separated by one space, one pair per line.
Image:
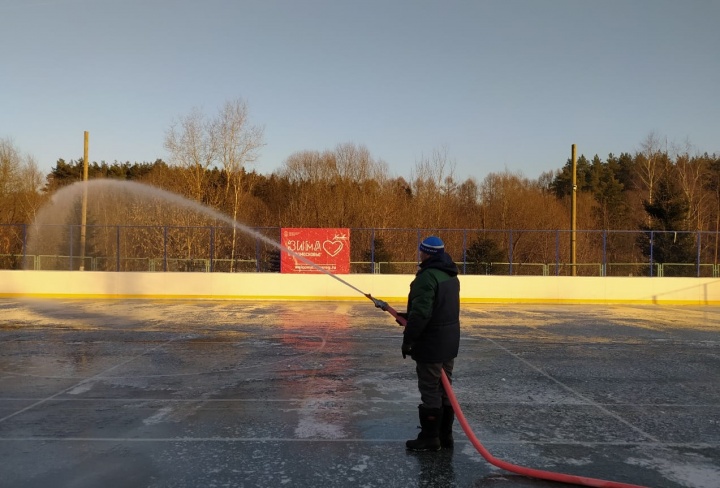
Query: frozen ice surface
x=233 y=393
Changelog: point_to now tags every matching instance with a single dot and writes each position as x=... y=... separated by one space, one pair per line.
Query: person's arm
x=420 y=306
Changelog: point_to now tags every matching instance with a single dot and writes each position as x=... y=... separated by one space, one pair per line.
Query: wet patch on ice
x=311 y=427
x=362 y=464
x=691 y=470
x=81 y=388
x=159 y=416
x=316 y=421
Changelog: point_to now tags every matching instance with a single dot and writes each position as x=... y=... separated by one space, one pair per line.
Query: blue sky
x=498 y=85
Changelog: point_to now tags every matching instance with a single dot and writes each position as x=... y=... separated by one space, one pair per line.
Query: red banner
x=328 y=249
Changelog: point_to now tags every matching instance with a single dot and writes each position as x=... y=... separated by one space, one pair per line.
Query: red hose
x=513 y=468
x=534 y=473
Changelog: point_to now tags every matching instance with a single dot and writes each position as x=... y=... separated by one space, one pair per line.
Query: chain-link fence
x=227 y=249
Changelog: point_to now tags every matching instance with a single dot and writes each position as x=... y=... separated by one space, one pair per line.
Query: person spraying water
x=436 y=280
x=432 y=339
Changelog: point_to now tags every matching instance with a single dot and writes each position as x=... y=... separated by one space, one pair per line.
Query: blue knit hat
x=432 y=245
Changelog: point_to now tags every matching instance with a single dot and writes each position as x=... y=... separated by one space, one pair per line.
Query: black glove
x=406 y=349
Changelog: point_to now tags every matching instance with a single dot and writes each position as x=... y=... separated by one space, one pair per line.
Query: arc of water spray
x=154 y=192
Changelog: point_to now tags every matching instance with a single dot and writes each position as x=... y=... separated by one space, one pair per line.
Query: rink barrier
x=320 y=287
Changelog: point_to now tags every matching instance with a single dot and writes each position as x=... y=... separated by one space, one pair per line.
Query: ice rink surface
x=316 y=394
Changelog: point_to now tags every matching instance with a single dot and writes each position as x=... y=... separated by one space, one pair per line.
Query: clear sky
x=499 y=85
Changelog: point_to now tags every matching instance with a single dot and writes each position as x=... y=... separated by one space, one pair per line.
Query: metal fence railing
x=382 y=251
x=249 y=265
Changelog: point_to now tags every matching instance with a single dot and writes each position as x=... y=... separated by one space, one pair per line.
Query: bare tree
x=312 y=202
x=20 y=199
x=650 y=163
x=343 y=187
x=307 y=167
x=511 y=201
x=237 y=144
x=9 y=169
x=362 y=180
x=29 y=186
x=432 y=182
x=692 y=173
x=192 y=145
x=20 y=184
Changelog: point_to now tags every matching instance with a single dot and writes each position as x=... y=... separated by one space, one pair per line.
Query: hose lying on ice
x=513 y=468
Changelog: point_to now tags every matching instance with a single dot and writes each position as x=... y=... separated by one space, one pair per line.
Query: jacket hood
x=443 y=262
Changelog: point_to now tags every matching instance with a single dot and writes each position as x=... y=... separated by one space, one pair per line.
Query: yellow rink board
x=394 y=288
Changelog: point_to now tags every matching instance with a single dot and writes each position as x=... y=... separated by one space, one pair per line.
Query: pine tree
x=481 y=254
x=670 y=241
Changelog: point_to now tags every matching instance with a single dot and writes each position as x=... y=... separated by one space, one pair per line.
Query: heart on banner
x=333 y=247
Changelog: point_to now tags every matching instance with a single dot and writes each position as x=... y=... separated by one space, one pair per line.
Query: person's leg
x=448 y=414
x=431 y=408
x=429 y=384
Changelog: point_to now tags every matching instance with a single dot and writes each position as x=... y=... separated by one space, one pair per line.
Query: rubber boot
x=446 y=423
x=429 y=437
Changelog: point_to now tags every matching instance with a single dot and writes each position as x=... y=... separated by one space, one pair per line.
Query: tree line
x=672 y=192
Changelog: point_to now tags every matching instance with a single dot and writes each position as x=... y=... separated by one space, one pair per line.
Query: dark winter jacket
x=433 y=311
